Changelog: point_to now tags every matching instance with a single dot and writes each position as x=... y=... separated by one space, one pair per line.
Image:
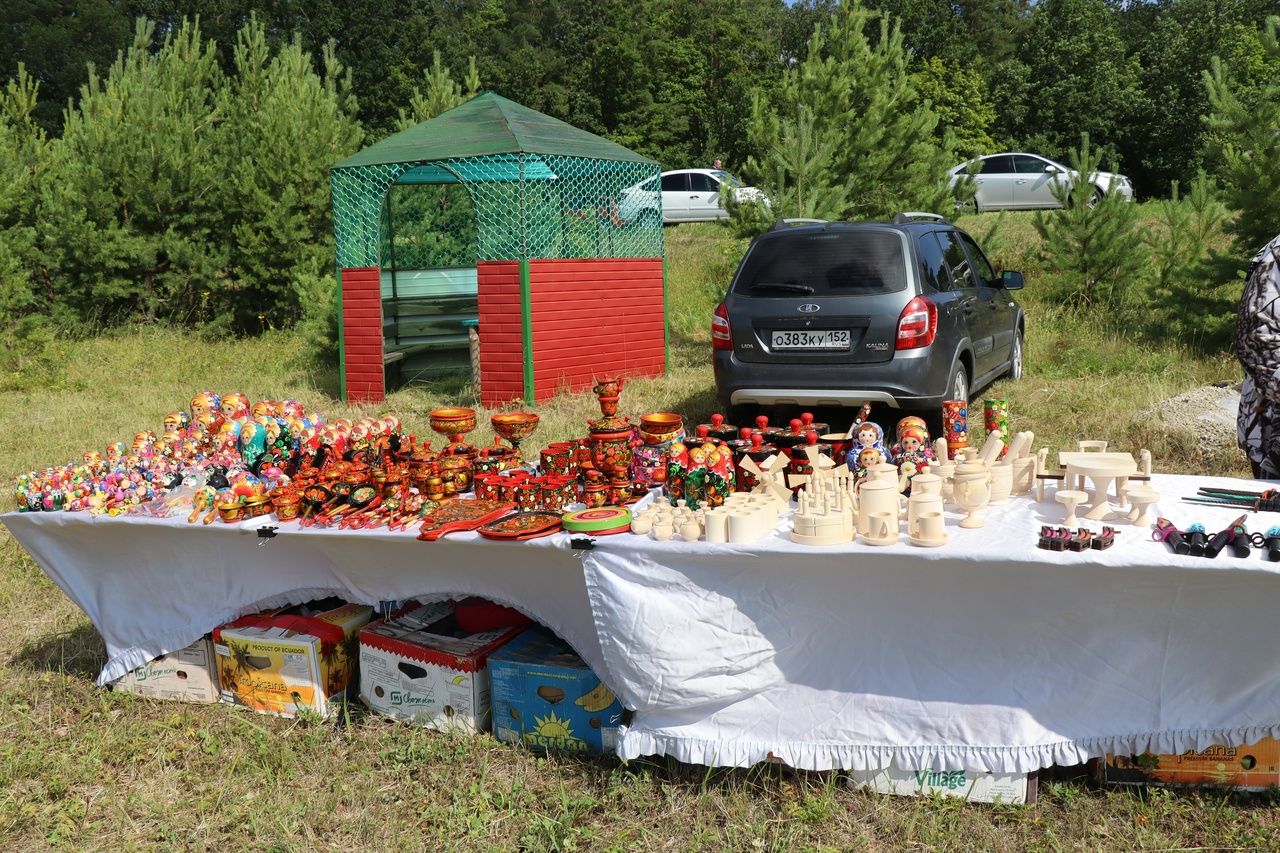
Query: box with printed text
x=546 y=697
x=187 y=675
x=282 y=663
x=1254 y=767
x=418 y=665
x=973 y=786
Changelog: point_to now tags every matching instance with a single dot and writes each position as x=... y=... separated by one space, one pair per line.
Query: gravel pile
x=1209 y=411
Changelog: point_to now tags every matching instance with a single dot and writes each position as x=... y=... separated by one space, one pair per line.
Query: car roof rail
x=791 y=223
x=911 y=215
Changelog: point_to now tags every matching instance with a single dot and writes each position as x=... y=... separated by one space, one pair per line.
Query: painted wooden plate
x=600 y=521
x=458 y=516
x=522 y=525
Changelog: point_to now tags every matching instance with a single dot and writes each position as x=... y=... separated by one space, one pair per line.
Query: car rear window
x=831 y=263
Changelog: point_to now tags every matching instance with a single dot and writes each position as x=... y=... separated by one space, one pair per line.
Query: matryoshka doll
x=868 y=439
x=252 y=441
x=205 y=401
x=235 y=406
x=292 y=409
x=264 y=408
x=913 y=455
x=700 y=472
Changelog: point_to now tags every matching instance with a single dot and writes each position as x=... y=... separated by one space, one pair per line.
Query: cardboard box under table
x=187 y=675
x=282 y=663
x=546 y=697
x=972 y=786
x=1255 y=767
x=420 y=666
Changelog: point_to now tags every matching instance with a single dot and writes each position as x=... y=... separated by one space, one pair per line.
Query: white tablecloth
x=151 y=586
x=986 y=654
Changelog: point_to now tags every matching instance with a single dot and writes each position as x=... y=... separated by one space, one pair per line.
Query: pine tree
x=131 y=194
x=1091 y=242
x=1249 y=136
x=283 y=123
x=853 y=94
x=439 y=92
x=26 y=355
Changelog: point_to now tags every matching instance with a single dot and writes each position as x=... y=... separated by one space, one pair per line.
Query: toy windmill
x=822 y=466
x=770 y=476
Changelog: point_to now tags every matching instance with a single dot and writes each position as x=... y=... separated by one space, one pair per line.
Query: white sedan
x=682 y=195
x=1015 y=180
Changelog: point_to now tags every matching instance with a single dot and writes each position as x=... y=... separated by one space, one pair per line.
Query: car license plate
x=826 y=339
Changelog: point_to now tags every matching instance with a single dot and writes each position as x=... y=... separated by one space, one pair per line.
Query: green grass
x=87 y=769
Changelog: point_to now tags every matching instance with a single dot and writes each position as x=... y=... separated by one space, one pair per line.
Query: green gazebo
x=567 y=252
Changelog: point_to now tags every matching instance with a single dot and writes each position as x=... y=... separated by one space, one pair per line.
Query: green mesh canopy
x=539 y=188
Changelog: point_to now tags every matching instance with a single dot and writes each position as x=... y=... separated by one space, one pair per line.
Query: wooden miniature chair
x=1091 y=446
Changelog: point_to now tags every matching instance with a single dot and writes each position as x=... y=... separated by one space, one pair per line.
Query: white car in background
x=683 y=195
x=1014 y=180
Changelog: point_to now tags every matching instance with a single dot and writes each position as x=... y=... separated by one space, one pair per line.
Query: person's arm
x=1257 y=340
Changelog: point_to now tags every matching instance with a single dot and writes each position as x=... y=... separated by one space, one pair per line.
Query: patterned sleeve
x=1257 y=338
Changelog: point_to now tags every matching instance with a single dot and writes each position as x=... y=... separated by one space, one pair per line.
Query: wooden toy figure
x=868 y=438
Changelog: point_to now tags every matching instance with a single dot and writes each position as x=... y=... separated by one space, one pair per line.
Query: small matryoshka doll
x=205 y=401
x=113 y=452
x=252 y=441
x=264 y=408
x=176 y=422
x=235 y=406
x=914 y=455
x=291 y=409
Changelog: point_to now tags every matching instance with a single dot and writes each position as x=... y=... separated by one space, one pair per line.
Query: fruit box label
x=976 y=787
x=280 y=669
x=186 y=675
x=1254 y=767
x=547 y=698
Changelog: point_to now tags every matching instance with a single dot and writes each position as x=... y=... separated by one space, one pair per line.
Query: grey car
x=905 y=313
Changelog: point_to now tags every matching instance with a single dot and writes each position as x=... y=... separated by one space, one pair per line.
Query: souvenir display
x=515 y=427
x=972 y=484
x=769 y=476
x=826 y=504
x=720 y=430
x=700 y=472
x=995 y=416
x=911 y=452
x=454 y=423
x=598 y=522
x=232 y=459
x=867 y=448
x=955 y=425
x=459 y=516
x=522 y=525
x=1142 y=497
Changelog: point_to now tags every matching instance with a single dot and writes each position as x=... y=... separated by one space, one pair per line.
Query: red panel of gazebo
x=588 y=318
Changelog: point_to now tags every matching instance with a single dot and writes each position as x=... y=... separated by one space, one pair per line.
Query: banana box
x=187 y=675
x=972 y=786
x=282 y=663
x=419 y=666
x=547 y=698
x=1255 y=767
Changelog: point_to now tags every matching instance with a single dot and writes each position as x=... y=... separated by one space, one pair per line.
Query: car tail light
x=721 y=335
x=917 y=324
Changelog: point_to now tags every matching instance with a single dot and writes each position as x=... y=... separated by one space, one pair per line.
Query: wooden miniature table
x=1104 y=469
x=986 y=654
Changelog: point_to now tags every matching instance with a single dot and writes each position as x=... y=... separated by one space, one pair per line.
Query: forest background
x=165 y=161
